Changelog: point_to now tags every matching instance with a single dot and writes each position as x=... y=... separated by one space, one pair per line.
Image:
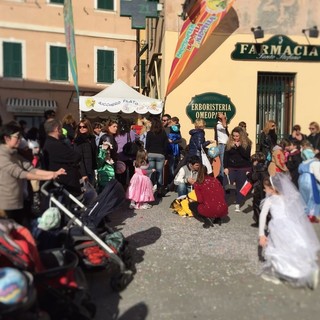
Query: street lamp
x=258 y=32
x=313 y=33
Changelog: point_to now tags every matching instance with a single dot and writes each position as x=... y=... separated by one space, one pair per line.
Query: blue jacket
x=196 y=141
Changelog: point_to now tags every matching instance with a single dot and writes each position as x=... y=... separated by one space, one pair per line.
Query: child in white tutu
x=292 y=245
x=140 y=190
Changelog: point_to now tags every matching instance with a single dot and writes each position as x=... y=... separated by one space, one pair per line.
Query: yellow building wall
x=238 y=81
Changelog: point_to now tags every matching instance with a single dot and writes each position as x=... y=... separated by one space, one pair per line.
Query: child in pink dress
x=140 y=190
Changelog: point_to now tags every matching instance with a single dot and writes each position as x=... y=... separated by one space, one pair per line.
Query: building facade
x=274 y=77
x=34 y=71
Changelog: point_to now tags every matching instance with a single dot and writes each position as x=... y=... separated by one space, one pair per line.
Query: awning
x=18 y=105
x=120 y=97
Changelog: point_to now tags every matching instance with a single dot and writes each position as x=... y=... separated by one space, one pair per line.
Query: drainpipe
x=138 y=59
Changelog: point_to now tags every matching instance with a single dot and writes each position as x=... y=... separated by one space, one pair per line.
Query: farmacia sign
x=277 y=48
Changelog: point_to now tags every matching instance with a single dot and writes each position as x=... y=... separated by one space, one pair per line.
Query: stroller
x=96 y=244
x=17 y=295
x=54 y=278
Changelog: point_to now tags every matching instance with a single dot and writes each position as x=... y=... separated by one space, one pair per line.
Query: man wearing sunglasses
x=166 y=119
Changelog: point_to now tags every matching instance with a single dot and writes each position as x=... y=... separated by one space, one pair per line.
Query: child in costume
x=292 y=245
x=293 y=160
x=259 y=172
x=140 y=190
x=309 y=183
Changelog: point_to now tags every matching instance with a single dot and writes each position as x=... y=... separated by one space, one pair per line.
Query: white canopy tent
x=119 y=97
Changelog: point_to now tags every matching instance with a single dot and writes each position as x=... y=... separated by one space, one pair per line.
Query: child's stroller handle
x=79 y=223
x=60 y=188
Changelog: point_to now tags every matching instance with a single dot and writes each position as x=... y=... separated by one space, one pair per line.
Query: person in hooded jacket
x=197 y=139
x=84 y=143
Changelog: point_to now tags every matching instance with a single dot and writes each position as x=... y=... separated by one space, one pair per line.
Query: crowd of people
x=148 y=159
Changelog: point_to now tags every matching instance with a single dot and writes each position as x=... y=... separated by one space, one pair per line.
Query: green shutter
x=105 y=66
x=12 y=60
x=105 y=4
x=58 y=64
x=57 y=1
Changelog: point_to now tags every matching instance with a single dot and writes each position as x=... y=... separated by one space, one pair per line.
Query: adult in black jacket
x=237 y=162
x=57 y=154
x=157 y=148
x=314 y=137
x=268 y=139
x=48 y=115
x=85 y=144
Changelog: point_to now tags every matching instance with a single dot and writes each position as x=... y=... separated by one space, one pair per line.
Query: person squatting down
x=210 y=206
x=187 y=176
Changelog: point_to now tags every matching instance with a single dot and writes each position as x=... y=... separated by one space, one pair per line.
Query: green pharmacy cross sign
x=138 y=10
x=207 y=106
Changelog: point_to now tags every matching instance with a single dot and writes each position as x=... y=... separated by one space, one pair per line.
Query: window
x=57 y=1
x=58 y=63
x=106 y=4
x=12 y=60
x=105 y=66
x=275 y=101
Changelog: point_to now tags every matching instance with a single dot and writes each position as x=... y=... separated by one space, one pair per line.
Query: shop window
x=12 y=60
x=105 y=4
x=105 y=66
x=58 y=63
x=275 y=101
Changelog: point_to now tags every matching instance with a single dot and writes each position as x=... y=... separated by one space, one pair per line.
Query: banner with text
x=203 y=17
x=70 y=41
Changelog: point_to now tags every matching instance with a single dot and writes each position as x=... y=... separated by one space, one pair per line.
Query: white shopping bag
x=205 y=161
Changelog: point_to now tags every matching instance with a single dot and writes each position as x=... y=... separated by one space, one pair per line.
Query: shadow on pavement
x=137 y=312
x=107 y=301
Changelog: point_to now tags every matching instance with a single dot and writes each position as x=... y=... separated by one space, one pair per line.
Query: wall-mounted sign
x=277 y=48
x=207 y=105
x=138 y=10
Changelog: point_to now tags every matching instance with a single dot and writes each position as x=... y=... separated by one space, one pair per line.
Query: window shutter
x=58 y=63
x=105 y=66
x=105 y=4
x=12 y=60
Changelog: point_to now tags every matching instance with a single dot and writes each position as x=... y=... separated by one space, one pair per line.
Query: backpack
x=131 y=148
x=180 y=205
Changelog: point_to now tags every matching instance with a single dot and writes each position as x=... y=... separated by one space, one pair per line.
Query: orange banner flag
x=203 y=17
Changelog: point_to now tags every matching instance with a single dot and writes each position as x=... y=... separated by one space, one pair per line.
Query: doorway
x=275 y=101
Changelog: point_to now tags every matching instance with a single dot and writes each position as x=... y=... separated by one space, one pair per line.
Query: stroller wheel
x=121 y=281
x=127 y=258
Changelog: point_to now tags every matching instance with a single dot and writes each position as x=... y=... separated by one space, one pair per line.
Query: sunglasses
x=16 y=135
x=83 y=127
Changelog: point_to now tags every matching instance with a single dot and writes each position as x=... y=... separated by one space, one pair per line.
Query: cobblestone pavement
x=187 y=272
